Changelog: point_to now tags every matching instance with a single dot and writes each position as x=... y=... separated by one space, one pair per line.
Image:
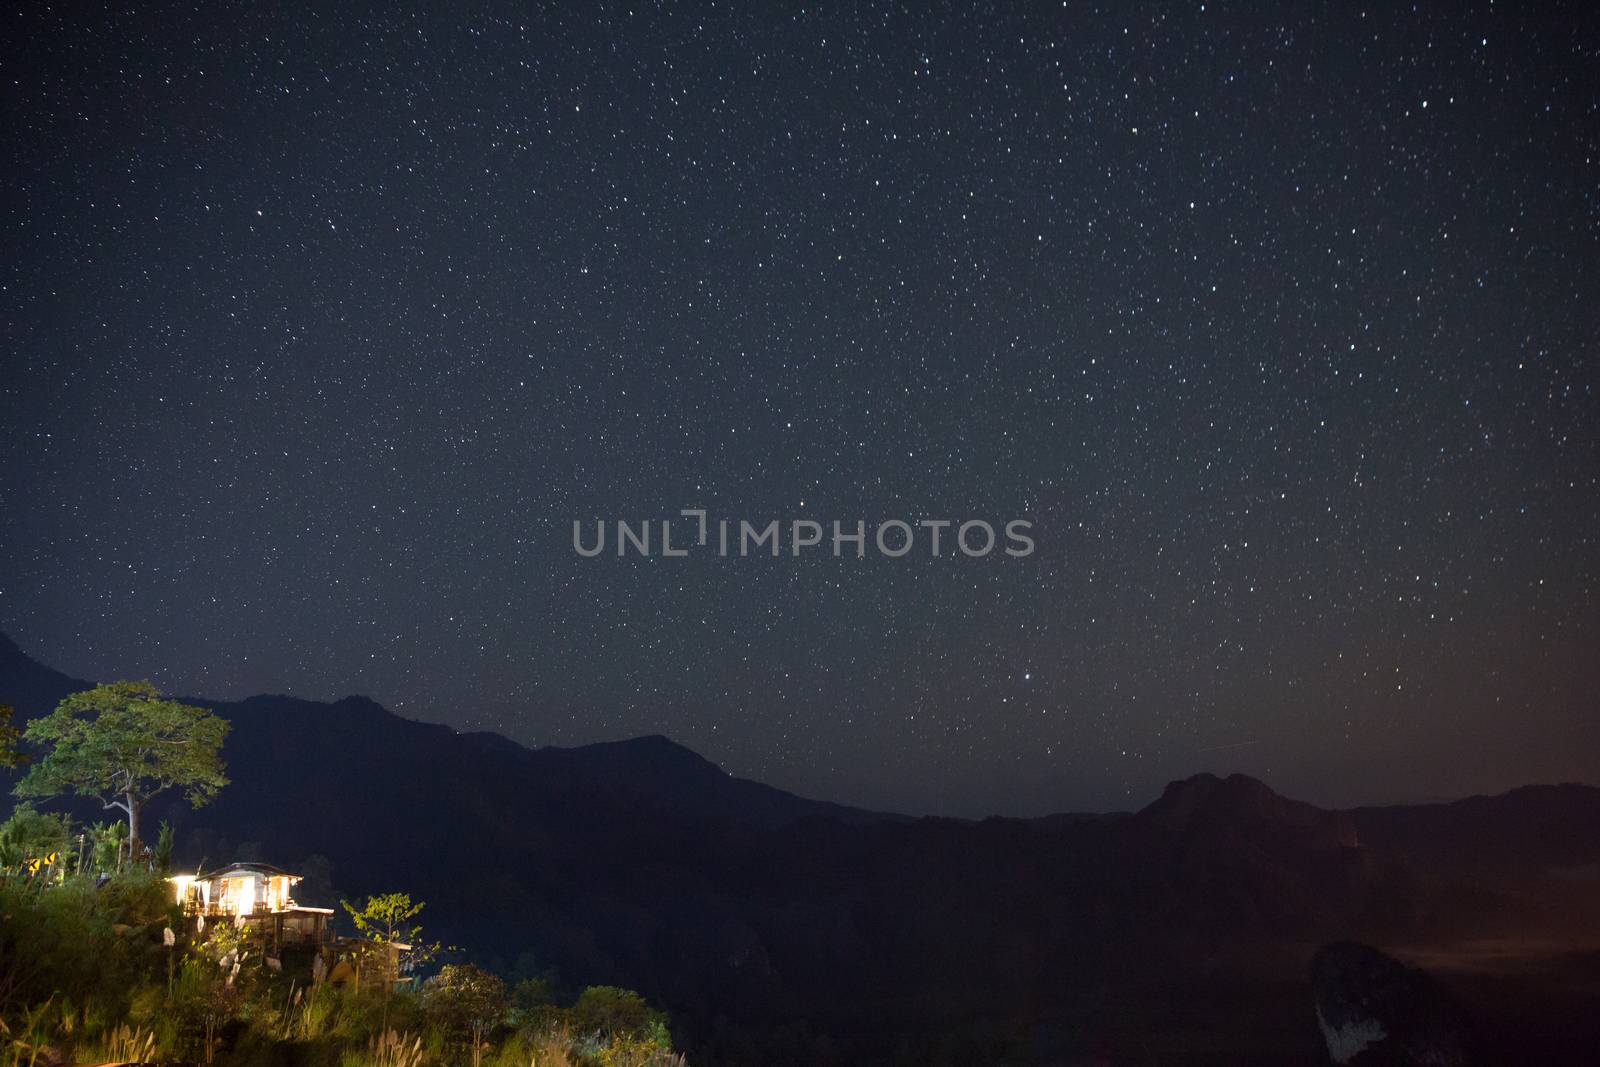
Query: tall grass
x=552 y=1048
x=388 y=1049
x=122 y=1044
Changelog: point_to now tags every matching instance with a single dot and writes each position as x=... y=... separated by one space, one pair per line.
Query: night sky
x=1279 y=323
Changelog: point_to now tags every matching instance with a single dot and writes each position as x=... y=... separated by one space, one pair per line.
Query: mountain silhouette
x=779 y=929
x=1237 y=798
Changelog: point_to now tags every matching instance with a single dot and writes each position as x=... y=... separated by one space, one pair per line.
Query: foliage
x=558 y=1046
x=391 y=1049
x=390 y=919
x=142 y=900
x=636 y=1052
x=28 y=1039
x=320 y=1012
x=33 y=835
x=205 y=997
x=162 y=858
x=468 y=1002
x=10 y=754
x=84 y=972
x=386 y=917
x=612 y=1011
x=107 y=843
x=126 y=1044
x=223 y=944
x=73 y=938
x=530 y=997
x=122 y=744
x=553 y=1047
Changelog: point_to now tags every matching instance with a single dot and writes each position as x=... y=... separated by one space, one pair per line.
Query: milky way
x=1278 y=324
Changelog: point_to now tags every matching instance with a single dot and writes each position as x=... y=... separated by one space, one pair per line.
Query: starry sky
x=321 y=326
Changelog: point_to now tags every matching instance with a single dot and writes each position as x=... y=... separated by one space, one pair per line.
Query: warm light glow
x=237 y=895
x=242 y=895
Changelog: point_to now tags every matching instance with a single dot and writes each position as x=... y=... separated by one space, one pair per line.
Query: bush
x=30 y=834
x=94 y=945
x=612 y=1011
x=467 y=1002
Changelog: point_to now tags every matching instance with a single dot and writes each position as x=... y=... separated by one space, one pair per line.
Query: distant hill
x=781 y=929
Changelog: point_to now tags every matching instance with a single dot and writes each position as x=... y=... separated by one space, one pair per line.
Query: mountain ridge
x=749 y=911
x=16 y=663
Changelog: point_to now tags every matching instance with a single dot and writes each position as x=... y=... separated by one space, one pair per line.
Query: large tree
x=122 y=744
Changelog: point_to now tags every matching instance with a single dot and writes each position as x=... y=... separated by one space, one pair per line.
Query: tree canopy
x=610 y=1010
x=10 y=755
x=386 y=917
x=122 y=744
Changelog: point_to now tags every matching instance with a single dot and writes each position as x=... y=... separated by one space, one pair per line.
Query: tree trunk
x=134 y=805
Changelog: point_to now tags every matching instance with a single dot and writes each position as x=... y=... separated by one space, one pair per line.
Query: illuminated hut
x=257 y=896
